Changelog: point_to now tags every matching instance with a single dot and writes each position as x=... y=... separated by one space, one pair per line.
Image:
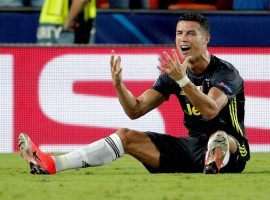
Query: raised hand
x=173 y=67
x=116 y=69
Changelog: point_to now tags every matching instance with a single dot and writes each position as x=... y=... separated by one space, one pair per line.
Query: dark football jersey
x=224 y=76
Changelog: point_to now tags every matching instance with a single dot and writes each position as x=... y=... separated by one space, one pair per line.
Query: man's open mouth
x=185 y=48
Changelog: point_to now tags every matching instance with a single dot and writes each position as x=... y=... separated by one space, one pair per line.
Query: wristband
x=183 y=82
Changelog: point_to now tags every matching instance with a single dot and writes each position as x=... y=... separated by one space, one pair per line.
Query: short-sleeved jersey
x=224 y=76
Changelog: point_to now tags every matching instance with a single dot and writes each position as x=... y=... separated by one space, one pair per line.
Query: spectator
x=52 y=17
x=251 y=4
x=81 y=20
x=56 y=14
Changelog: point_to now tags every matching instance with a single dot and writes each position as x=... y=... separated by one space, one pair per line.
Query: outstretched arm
x=133 y=107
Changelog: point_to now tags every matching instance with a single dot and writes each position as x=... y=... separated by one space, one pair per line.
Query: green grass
x=127 y=179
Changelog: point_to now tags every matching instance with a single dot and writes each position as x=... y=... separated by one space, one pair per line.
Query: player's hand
x=173 y=67
x=116 y=69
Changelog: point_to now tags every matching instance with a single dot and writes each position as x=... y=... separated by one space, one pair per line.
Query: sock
x=95 y=154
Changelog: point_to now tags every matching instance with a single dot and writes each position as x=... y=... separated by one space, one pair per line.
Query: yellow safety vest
x=56 y=11
x=90 y=10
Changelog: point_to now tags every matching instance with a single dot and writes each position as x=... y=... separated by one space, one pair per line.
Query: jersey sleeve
x=164 y=85
x=229 y=81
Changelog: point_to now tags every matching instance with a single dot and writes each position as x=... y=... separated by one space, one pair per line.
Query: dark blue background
x=228 y=29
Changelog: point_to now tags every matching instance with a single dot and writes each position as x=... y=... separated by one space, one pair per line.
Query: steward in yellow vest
x=81 y=19
x=55 y=13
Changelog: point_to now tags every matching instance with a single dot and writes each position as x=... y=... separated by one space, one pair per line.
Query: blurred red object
x=104 y=4
x=196 y=5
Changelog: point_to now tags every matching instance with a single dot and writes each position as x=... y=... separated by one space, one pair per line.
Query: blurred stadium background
x=62 y=96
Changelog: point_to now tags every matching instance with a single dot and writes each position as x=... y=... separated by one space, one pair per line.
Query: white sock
x=95 y=154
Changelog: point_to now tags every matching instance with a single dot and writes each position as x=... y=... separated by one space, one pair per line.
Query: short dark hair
x=196 y=17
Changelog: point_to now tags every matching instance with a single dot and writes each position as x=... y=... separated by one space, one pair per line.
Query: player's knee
x=126 y=135
x=218 y=138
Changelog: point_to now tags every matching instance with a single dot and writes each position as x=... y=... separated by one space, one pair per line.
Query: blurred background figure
x=251 y=4
x=52 y=17
x=81 y=20
x=67 y=22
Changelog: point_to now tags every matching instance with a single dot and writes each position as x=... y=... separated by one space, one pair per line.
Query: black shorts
x=186 y=154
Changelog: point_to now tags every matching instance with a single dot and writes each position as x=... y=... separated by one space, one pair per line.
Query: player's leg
x=103 y=151
x=178 y=154
x=97 y=153
x=140 y=146
x=219 y=148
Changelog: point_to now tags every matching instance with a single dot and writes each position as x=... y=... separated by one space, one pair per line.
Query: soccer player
x=211 y=94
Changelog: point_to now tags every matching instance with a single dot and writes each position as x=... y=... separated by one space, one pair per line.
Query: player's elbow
x=133 y=115
x=209 y=115
x=211 y=111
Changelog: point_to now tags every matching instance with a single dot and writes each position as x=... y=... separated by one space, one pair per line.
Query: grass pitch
x=127 y=179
